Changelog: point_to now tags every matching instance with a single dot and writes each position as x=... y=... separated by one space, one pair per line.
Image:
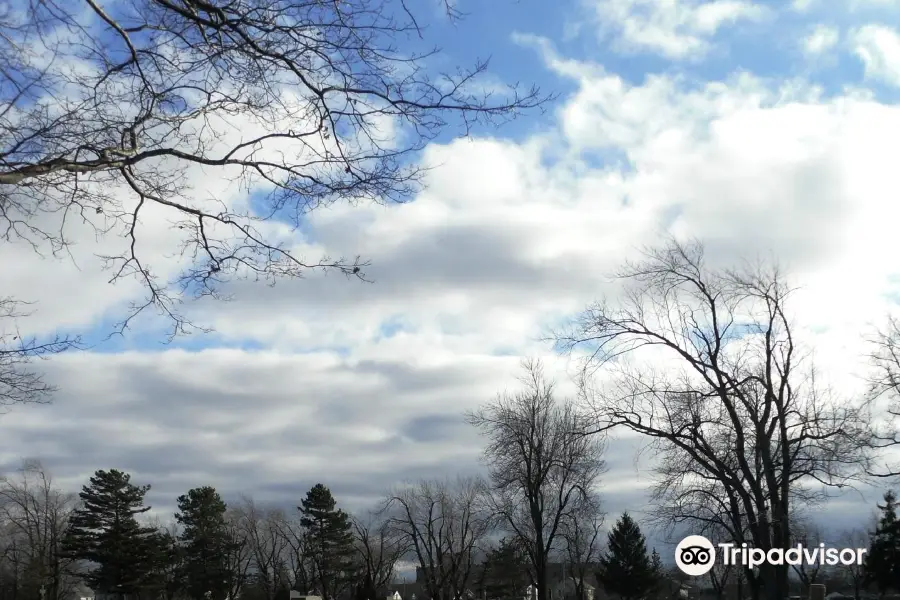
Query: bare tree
x=379 y=547
x=857 y=537
x=722 y=379
x=298 y=560
x=809 y=535
x=107 y=108
x=542 y=465
x=580 y=530
x=266 y=547
x=34 y=515
x=239 y=557
x=444 y=523
x=19 y=382
x=884 y=392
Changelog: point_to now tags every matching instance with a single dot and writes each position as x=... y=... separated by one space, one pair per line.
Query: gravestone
x=817 y=592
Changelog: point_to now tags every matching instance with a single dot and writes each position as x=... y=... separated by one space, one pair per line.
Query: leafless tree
x=445 y=524
x=379 y=547
x=239 y=558
x=724 y=380
x=856 y=537
x=298 y=560
x=266 y=547
x=542 y=464
x=884 y=391
x=34 y=515
x=108 y=109
x=19 y=382
x=809 y=535
x=580 y=530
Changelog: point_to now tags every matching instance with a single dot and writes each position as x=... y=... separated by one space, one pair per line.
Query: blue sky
x=763 y=128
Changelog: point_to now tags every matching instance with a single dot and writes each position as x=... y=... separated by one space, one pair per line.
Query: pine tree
x=330 y=541
x=505 y=572
x=626 y=569
x=658 y=572
x=883 y=559
x=105 y=531
x=207 y=544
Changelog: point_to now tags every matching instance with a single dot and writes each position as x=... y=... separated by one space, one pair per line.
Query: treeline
x=52 y=541
x=539 y=503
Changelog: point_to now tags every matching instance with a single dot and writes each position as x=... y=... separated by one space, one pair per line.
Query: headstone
x=817 y=592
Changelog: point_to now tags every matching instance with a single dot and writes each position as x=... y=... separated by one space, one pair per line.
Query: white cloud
x=802 y=6
x=820 y=40
x=676 y=29
x=878 y=47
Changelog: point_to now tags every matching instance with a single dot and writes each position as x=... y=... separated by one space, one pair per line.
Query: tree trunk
x=542 y=583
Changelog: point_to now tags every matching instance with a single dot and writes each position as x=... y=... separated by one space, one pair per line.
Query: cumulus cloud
x=820 y=40
x=878 y=47
x=676 y=29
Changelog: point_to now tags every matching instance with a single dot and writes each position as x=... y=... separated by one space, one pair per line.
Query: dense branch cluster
x=706 y=365
x=109 y=108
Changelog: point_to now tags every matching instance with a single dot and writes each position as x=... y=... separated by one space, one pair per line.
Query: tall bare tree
x=20 y=383
x=261 y=529
x=298 y=559
x=856 y=537
x=239 y=555
x=542 y=463
x=705 y=360
x=34 y=515
x=105 y=107
x=445 y=524
x=379 y=547
x=582 y=543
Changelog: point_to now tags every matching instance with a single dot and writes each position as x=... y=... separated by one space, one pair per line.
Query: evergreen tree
x=658 y=571
x=167 y=579
x=330 y=541
x=883 y=559
x=105 y=531
x=207 y=543
x=504 y=574
x=626 y=570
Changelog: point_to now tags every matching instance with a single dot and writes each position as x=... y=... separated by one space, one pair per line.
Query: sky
x=761 y=128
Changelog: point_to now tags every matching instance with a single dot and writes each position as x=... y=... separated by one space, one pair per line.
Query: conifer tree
x=206 y=542
x=883 y=559
x=105 y=532
x=626 y=570
x=505 y=571
x=330 y=540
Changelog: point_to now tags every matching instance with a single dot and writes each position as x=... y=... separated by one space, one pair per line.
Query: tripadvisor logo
x=695 y=555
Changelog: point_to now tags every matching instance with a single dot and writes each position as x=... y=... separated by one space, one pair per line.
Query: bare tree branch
x=109 y=108
x=19 y=382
